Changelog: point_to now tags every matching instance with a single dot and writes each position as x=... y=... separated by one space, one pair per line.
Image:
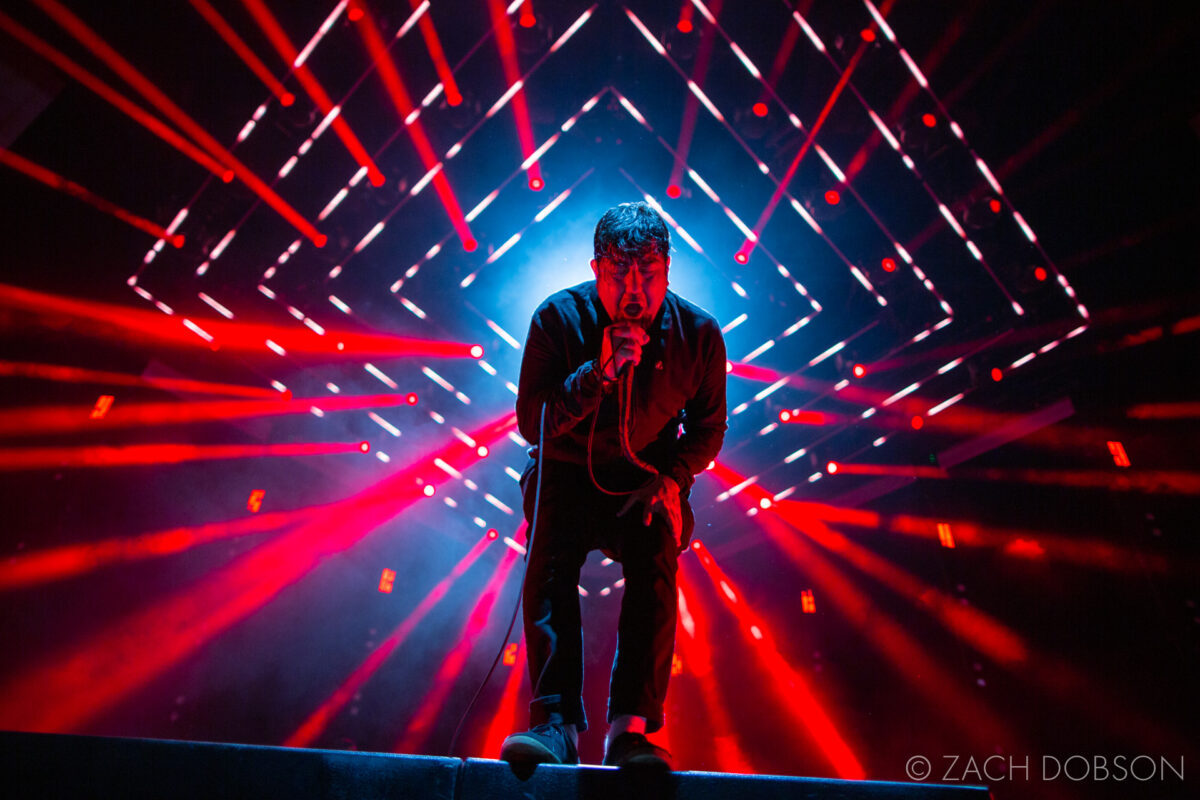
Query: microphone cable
x=537 y=497
x=624 y=415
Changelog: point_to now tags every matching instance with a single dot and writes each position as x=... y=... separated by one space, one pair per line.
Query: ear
x=595 y=268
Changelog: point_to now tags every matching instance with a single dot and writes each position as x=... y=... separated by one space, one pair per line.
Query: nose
x=633 y=281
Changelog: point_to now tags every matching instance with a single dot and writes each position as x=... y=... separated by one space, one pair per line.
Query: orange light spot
x=808 y=603
x=103 y=404
x=1120 y=458
x=945 y=535
x=387 y=580
x=255 y=501
x=510 y=654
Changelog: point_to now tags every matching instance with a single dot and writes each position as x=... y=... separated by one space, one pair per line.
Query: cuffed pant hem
x=552 y=709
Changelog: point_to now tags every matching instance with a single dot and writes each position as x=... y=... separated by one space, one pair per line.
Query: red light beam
x=314 y=725
x=50 y=420
x=243 y=51
x=114 y=98
x=69 y=561
x=791 y=686
x=506 y=720
x=434 y=704
x=55 y=181
x=71 y=687
x=88 y=38
x=62 y=374
x=108 y=320
x=373 y=40
x=33 y=458
x=512 y=73
x=283 y=45
x=749 y=244
x=434 y=45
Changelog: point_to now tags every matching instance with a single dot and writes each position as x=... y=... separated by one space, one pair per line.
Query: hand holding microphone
x=622 y=347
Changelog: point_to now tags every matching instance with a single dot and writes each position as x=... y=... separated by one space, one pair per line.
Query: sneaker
x=545 y=744
x=635 y=750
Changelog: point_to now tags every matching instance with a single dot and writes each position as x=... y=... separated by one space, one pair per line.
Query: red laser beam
x=114 y=98
x=691 y=107
x=89 y=39
x=506 y=719
x=109 y=320
x=62 y=374
x=881 y=632
x=73 y=419
x=71 y=687
x=316 y=722
x=791 y=687
x=55 y=181
x=969 y=624
x=1052 y=674
x=243 y=51
x=434 y=703
x=33 y=458
x=743 y=253
x=527 y=18
x=283 y=45
x=512 y=74
x=434 y=46
x=695 y=649
x=394 y=84
x=69 y=561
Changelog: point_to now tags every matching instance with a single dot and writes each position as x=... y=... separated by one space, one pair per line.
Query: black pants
x=573 y=519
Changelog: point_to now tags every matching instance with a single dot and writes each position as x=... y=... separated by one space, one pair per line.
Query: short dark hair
x=631 y=232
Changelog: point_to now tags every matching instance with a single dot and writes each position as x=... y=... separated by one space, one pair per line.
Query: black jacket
x=679 y=382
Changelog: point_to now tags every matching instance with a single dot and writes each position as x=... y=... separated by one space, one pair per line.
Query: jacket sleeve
x=546 y=377
x=704 y=420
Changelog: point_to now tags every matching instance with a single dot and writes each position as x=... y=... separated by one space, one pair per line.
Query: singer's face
x=632 y=291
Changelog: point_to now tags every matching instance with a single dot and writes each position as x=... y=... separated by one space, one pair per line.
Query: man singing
x=611 y=371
